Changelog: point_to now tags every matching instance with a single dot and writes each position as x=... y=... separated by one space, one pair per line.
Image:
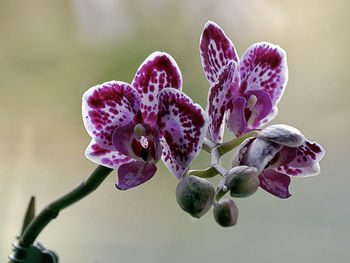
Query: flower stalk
x=205 y=173
x=52 y=210
x=232 y=144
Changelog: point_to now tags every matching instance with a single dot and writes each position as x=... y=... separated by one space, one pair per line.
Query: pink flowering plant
x=133 y=126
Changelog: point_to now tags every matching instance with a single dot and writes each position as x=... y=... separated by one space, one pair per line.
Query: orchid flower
x=243 y=92
x=133 y=126
x=278 y=152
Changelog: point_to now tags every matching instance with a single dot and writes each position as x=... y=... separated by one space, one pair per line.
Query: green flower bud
x=225 y=213
x=195 y=195
x=242 y=181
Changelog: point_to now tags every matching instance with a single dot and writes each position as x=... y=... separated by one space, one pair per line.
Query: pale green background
x=52 y=51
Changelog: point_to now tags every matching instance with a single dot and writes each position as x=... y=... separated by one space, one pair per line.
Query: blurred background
x=52 y=51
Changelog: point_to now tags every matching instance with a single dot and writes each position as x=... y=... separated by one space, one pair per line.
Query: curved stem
x=52 y=210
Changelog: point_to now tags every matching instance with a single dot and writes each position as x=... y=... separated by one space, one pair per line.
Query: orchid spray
x=133 y=126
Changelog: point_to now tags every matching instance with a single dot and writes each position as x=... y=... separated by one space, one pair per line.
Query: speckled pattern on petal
x=170 y=161
x=106 y=107
x=264 y=67
x=220 y=95
x=306 y=160
x=111 y=159
x=182 y=124
x=157 y=72
x=216 y=51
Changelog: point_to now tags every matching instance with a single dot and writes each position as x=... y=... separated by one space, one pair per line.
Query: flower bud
x=283 y=134
x=195 y=195
x=225 y=213
x=242 y=181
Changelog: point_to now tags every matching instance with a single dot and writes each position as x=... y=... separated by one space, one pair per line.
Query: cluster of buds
x=266 y=160
x=196 y=195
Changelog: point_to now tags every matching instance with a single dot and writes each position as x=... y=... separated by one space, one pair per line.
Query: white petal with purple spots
x=106 y=107
x=306 y=161
x=182 y=124
x=216 y=51
x=264 y=67
x=105 y=157
x=157 y=72
x=220 y=95
x=170 y=160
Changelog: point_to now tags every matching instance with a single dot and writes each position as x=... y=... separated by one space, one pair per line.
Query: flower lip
x=140 y=141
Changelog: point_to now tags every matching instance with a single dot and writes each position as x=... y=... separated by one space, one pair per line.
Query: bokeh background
x=52 y=51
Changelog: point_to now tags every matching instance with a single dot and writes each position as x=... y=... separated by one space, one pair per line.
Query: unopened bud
x=242 y=181
x=283 y=134
x=225 y=213
x=195 y=195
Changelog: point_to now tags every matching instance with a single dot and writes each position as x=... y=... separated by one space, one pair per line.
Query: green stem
x=208 y=145
x=230 y=145
x=205 y=173
x=52 y=210
x=221 y=189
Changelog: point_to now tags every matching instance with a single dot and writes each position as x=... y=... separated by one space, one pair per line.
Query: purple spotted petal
x=264 y=67
x=216 y=51
x=170 y=160
x=146 y=147
x=106 y=107
x=275 y=183
x=221 y=94
x=183 y=125
x=235 y=116
x=111 y=159
x=134 y=173
x=157 y=72
x=283 y=157
x=306 y=161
